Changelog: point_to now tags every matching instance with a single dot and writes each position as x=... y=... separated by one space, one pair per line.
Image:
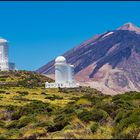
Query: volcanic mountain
x=109 y=62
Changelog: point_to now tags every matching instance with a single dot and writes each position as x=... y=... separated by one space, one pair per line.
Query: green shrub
x=136 y=96
x=69 y=109
x=35 y=107
x=125 y=120
x=56 y=127
x=60 y=122
x=93 y=98
x=11 y=107
x=2 y=91
x=23 y=93
x=3 y=80
x=94 y=115
x=85 y=115
x=44 y=124
x=43 y=93
x=2 y=123
x=34 y=93
x=11 y=124
x=10 y=134
x=53 y=97
x=122 y=114
x=24 y=120
x=99 y=115
x=20 y=98
x=127 y=96
x=16 y=115
x=94 y=127
x=74 y=98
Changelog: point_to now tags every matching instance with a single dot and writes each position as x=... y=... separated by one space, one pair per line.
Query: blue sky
x=39 y=31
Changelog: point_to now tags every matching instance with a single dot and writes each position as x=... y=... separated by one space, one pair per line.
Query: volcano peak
x=130 y=27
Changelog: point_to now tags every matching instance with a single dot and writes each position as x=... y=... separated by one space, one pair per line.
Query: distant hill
x=22 y=79
x=109 y=62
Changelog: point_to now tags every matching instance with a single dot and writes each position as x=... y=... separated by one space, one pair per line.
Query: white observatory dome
x=3 y=40
x=60 y=59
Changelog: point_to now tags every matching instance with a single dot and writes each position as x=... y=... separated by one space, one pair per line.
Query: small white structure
x=4 y=63
x=64 y=75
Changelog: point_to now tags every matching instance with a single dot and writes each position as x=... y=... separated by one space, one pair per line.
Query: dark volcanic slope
x=119 y=48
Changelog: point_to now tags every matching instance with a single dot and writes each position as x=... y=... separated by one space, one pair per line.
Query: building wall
x=62 y=85
x=61 y=73
x=70 y=73
x=64 y=73
x=4 y=57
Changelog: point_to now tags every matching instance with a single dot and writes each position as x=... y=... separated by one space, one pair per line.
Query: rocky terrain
x=109 y=62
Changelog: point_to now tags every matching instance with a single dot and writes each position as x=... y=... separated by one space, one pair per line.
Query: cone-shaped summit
x=130 y=26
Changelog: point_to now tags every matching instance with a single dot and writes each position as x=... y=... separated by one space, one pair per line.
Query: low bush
x=24 y=120
x=85 y=115
x=44 y=124
x=2 y=91
x=15 y=115
x=34 y=133
x=82 y=102
x=74 y=98
x=53 y=97
x=3 y=80
x=99 y=115
x=11 y=134
x=94 y=127
x=125 y=120
x=43 y=93
x=23 y=93
x=2 y=123
x=11 y=107
x=60 y=122
x=11 y=124
x=35 y=107
x=94 y=115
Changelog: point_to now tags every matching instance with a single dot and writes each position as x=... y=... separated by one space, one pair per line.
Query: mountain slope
x=109 y=62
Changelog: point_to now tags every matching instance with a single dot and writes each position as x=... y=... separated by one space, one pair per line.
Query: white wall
x=70 y=73
x=61 y=73
x=4 y=57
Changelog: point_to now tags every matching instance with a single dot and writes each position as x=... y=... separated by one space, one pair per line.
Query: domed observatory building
x=64 y=75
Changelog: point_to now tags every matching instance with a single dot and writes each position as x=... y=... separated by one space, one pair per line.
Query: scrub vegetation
x=29 y=111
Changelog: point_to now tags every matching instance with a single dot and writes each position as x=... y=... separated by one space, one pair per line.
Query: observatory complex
x=4 y=62
x=64 y=75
